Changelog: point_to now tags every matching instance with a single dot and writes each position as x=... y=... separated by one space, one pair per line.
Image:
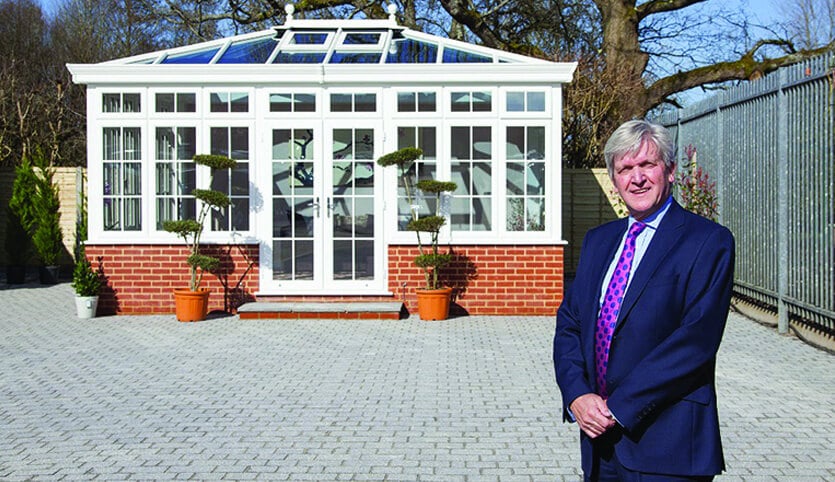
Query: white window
x=232 y=142
x=426 y=138
x=175 y=174
x=292 y=102
x=229 y=102
x=471 y=101
x=525 y=101
x=525 y=176
x=416 y=102
x=175 y=102
x=122 y=186
x=121 y=102
x=348 y=102
x=471 y=154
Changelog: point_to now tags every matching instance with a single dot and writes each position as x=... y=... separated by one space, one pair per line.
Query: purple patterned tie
x=611 y=306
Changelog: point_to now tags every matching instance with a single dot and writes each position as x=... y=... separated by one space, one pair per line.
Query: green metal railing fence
x=769 y=146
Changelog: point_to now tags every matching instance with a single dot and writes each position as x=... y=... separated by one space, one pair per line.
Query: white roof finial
x=289 y=9
x=392 y=10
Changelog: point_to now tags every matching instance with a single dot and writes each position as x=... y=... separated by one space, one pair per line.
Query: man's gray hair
x=627 y=139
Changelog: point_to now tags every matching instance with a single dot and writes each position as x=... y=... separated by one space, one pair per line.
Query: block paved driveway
x=469 y=399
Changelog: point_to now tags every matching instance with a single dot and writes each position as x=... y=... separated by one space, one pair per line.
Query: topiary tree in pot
x=192 y=303
x=433 y=300
x=86 y=282
x=47 y=236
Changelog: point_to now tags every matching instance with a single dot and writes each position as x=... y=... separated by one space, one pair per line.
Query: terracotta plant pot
x=433 y=305
x=191 y=305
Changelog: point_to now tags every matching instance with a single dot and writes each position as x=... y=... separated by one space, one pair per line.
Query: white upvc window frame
x=446 y=102
x=328 y=113
x=229 y=92
x=391 y=175
x=392 y=102
x=264 y=96
x=176 y=92
x=121 y=162
x=505 y=92
x=204 y=178
x=153 y=161
x=503 y=161
x=99 y=103
x=474 y=236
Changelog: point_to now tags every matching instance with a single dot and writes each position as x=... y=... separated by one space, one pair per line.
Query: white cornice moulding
x=280 y=74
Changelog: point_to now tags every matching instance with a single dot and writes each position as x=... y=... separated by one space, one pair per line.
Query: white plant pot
x=86 y=306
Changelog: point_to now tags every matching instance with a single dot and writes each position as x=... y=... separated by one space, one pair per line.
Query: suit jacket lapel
x=664 y=240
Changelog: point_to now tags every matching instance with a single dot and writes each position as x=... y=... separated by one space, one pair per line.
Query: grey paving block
x=472 y=398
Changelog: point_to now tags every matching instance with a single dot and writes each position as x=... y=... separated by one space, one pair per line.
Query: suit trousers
x=607 y=468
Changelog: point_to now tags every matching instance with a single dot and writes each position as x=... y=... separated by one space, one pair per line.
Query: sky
x=763 y=10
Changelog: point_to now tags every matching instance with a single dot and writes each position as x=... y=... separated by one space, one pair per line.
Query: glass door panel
x=352 y=206
x=294 y=205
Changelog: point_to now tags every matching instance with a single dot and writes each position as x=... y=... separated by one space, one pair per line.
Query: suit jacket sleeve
x=570 y=365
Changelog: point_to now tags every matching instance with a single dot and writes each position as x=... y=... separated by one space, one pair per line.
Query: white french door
x=326 y=205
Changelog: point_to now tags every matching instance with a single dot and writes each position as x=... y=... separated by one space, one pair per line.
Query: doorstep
x=348 y=310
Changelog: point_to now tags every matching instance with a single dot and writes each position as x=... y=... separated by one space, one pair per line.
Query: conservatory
x=305 y=109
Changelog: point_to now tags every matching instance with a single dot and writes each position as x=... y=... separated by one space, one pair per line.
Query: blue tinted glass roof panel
x=355 y=58
x=308 y=38
x=412 y=52
x=199 y=57
x=455 y=56
x=361 y=39
x=251 y=52
x=314 y=41
x=299 y=58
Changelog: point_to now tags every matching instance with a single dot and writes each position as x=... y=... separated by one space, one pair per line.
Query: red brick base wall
x=487 y=280
x=141 y=278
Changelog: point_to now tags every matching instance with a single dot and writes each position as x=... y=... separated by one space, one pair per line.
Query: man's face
x=643 y=181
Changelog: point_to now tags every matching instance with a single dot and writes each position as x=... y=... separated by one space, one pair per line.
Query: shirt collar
x=654 y=219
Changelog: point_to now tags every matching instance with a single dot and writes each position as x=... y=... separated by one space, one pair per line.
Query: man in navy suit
x=641 y=386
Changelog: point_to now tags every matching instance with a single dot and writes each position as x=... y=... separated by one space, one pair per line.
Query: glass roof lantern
x=301 y=41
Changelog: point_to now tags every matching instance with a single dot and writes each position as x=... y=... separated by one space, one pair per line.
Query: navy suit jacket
x=662 y=358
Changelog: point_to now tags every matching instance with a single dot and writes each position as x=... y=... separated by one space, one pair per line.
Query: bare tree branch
x=741 y=69
x=660 y=6
x=463 y=13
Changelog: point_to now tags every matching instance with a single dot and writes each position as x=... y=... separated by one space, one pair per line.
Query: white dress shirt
x=641 y=245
